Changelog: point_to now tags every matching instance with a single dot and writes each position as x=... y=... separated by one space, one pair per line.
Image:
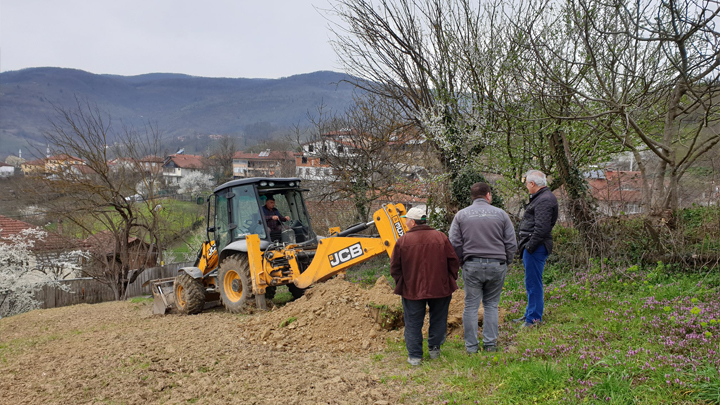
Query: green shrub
x=686 y=242
x=460 y=188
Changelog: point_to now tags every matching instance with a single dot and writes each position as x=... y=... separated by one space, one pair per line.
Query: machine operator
x=273 y=219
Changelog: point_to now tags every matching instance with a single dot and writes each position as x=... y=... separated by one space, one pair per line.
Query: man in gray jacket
x=484 y=239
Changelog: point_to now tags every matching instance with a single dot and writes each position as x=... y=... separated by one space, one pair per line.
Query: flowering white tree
x=20 y=278
x=194 y=182
x=32 y=211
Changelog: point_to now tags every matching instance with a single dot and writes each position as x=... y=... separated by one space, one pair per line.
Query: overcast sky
x=216 y=38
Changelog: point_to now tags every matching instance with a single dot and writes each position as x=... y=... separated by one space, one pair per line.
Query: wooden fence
x=89 y=291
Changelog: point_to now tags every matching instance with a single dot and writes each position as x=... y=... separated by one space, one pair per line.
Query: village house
x=264 y=164
x=6 y=170
x=312 y=168
x=15 y=161
x=31 y=167
x=149 y=164
x=334 y=143
x=152 y=164
x=121 y=163
x=616 y=192
x=408 y=145
x=178 y=165
x=50 y=164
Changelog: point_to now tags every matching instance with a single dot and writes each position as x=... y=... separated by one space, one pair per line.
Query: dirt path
x=119 y=353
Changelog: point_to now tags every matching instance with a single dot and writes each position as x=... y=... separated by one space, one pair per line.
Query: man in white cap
x=424 y=267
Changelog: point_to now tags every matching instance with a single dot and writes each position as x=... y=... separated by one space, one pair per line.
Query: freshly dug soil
x=334 y=317
x=339 y=317
x=317 y=349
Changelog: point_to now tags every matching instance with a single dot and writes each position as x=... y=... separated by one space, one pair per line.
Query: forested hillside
x=180 y=105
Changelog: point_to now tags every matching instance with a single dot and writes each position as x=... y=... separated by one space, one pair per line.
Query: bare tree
x=95 y=185
x=644 y=73
x=404 y=51
x=221 y=159
x=366 y=152
x=461 y=70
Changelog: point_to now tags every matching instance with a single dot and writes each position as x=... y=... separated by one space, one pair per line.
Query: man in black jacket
x=535 y=242
x=273 y=218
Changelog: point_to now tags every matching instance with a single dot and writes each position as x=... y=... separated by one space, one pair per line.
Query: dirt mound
x=338 y=316
x=334 y=316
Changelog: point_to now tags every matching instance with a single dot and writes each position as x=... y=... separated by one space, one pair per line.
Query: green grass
x=622 y=336
x=288 y=321
x=176 y=218
x=282 y=296
x=186 y=247
x=366 y=274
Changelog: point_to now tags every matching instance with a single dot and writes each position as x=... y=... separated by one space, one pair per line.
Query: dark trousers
x=534 y=265
x=414 y=316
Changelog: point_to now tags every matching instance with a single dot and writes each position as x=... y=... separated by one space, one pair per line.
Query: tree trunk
x=673 y=198
x=579 y=207
x=666 y=197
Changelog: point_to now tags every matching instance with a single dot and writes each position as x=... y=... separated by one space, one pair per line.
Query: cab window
x=246 y=213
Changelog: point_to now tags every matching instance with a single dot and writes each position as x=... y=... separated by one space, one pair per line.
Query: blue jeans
x=414 y=316
x=482 y=282
x=534 y=265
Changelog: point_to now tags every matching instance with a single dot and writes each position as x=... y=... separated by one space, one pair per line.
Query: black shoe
x=490 y=349
x=518 y=320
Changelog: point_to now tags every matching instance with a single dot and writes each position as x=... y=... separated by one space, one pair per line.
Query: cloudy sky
x=216 y=38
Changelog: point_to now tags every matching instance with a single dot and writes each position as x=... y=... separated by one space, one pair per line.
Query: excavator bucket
x=164 y=299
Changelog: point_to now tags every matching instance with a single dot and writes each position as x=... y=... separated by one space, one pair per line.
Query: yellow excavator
x=247 y=255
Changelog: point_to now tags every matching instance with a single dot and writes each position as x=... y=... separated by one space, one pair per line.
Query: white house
x=6 y=170
x=178 y=165
x=263 y=164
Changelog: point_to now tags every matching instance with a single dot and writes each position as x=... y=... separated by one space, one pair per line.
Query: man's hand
x=275 y=217
x=287 y=218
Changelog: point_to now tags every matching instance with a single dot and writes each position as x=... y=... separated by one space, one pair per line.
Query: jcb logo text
x=398 y=226
x=345 y=255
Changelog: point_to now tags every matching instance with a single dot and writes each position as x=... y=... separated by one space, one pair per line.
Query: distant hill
x=182 y=106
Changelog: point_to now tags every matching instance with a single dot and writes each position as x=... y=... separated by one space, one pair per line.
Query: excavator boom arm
x=335 y=254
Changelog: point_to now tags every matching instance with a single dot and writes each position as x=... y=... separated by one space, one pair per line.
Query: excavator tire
x=296 y=292
x=189 y=294
x=234 y=283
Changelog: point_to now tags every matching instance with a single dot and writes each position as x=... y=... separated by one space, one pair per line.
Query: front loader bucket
x=164 y=299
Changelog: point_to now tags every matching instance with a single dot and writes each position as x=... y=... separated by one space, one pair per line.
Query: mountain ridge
x=181 y=105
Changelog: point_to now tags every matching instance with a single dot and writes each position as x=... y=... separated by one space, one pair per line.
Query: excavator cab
x=239 y=211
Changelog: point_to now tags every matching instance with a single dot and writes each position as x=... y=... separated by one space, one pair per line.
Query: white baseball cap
x=416 y=213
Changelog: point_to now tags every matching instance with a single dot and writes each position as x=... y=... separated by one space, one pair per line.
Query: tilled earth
x=317 y=349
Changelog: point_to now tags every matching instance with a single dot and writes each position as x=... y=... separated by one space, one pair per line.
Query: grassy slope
x=620 y=336
x=178 y=219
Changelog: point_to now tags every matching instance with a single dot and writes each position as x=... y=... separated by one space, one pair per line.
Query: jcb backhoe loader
x=254 y=261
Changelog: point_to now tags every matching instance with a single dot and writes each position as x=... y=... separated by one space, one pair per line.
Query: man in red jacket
x=424 y=266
